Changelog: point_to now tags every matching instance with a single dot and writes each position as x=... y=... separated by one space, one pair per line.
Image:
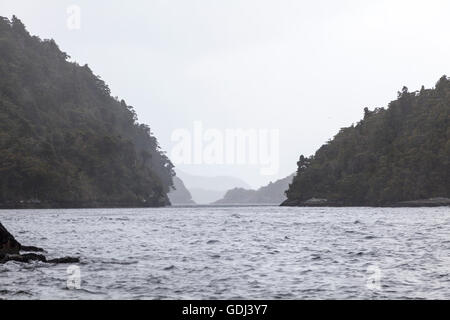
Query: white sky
x=305 y=68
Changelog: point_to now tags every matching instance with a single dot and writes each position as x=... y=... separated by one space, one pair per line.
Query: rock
x=315 y=201
x=291 y=203
x=29 y=257
x=433 y=202
x=31 y=249
x=10 y=251
x=26 y=258
x=64 y=260
x=8 y=244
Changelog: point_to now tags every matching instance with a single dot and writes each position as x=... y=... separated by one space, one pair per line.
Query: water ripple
x=233 y=253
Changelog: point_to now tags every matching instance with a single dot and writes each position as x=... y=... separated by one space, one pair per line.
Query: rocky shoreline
x=432 y=202
x=10 y=250
x=35 y=204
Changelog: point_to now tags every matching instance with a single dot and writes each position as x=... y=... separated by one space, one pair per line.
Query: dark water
x=234 y=253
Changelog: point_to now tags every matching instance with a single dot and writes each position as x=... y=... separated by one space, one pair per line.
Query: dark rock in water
x=10 y=251
x=31 y=249
x=64 y=260
x=29 y=257
x=8 y=244
x=169 y=268
x=26 y=258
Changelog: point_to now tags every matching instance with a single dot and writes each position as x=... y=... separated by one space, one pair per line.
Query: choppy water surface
x=234 y=253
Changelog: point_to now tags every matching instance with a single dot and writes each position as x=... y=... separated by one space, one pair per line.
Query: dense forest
x=396 y=154
x=64 y=140
x=273 y=193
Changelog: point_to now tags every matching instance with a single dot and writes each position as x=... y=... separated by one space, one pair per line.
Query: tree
x=63 y=139
x=396 y=154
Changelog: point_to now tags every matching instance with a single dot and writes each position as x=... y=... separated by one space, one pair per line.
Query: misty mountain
x=180 y=195
x=393 y=155
x=206 y=190
x=273 y=193
x=64 y=140
x=211 y=183
x=203 y=196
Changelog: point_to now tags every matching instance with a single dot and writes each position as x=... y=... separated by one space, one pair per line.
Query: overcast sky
x=306 y=68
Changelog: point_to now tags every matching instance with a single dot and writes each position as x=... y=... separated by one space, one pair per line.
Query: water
x=234 y=253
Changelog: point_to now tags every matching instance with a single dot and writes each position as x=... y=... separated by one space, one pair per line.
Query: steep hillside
x=180 y=195
x=393 y=155
x=64 y=141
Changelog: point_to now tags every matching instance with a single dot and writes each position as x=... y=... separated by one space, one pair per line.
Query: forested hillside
x=64 y=140
x=401 y=153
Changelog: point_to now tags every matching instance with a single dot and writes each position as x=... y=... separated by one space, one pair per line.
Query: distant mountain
x=393 y=156
x=202 y=196
x=64 y=140
x=180 y=195
x=211 y=183
x=205 y=190
x=273 y=193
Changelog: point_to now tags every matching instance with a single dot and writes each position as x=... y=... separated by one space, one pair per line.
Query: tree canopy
x=396 y=154
x=64 y=139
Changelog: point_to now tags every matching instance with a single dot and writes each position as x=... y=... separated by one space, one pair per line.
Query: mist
x=305 y=69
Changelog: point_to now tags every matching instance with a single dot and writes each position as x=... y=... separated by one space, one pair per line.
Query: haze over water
x=234 y=253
